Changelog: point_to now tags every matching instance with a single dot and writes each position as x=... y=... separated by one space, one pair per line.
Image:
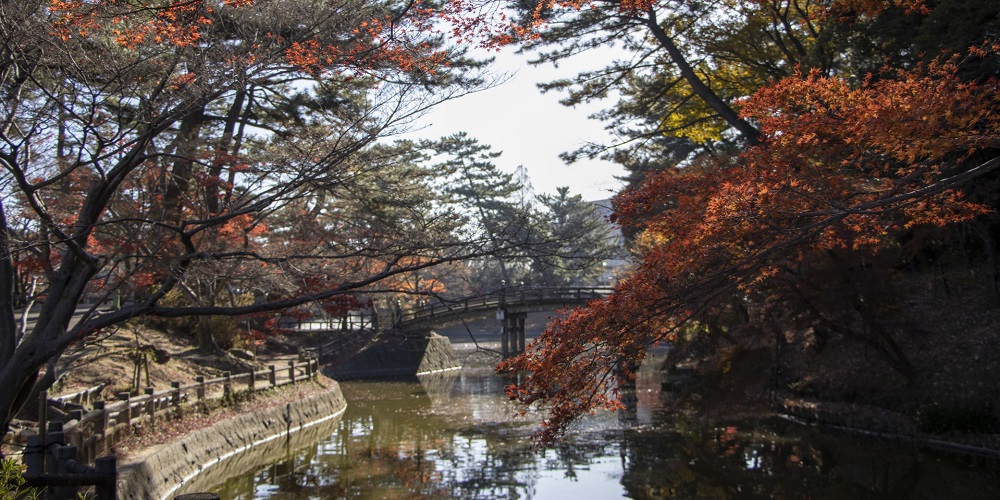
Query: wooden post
x=227 y=386
x=175 y=396
x=76 y=438
x=515 y=342
x=34 y=456
x=101 y=428
x=63 y=455
x=127 y=411
x=200 y=391
x=252 y=382
x=291 y=370
x=520 y=333
x=150 y=405
x=273 y=376
x=309 y=368
x=86 y=450
x=54 y=435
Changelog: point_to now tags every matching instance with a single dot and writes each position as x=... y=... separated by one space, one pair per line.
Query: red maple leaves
x=841 y=167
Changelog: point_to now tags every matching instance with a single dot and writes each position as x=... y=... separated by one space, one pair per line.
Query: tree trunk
x=182 y=172
x=224 y=150
x=206 y=337
x=726 y=112
x=8 y=339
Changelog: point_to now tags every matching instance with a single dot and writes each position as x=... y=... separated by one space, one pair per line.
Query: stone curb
x=165 y=469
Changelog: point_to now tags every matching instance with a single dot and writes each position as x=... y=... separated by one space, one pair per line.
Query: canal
x=454 y=435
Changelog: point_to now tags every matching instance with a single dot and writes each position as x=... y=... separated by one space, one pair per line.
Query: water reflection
x=780 y=460
x=454 y=435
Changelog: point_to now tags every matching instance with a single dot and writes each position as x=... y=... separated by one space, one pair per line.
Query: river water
x=454 y=435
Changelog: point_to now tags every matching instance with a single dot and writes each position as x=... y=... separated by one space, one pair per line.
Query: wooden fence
x=83 y=397
x=54 y=466
x=96 y=431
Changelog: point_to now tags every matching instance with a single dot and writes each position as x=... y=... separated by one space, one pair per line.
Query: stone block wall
x=172 y=468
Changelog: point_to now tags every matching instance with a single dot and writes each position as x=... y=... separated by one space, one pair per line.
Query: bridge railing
x=360 y=321
x=509 y=296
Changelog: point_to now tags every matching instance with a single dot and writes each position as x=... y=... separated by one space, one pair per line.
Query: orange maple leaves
x=314 y=58
x=177 y=22
x=875 y=7
x=841 y=166
x=381 y=41
x=884 y=150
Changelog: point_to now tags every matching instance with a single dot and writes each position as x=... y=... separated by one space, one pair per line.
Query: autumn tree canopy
x=676 y=57
x=224 y=157
x=855 y=130
x=211 y=157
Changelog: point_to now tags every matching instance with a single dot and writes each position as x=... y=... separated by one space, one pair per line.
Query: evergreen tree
x=579 y=241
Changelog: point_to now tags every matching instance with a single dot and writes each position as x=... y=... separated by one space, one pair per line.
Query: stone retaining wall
x=166 y=470
x=397 y=357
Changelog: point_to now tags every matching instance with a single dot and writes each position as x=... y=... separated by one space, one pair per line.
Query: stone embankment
x=206 y=457
x=214 y=453
x=397 y=357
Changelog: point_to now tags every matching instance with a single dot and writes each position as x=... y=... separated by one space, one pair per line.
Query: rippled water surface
x=454 y=435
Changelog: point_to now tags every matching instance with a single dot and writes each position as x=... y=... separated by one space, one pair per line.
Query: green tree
x=580 y=241
x=490 y=200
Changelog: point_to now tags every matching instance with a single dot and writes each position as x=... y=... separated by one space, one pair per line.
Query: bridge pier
x=505 y=335
x=519 y=320
x=512 y=333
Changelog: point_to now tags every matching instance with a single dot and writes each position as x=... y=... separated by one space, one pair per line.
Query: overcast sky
x=530 y=128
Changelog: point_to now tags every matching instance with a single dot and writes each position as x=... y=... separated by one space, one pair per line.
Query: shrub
x=12 y=482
